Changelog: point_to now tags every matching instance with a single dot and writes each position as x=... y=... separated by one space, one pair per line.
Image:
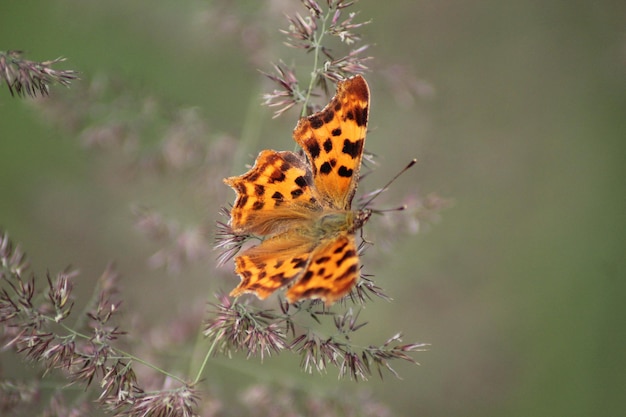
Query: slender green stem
x=149 y=365
x=198 y=347
x=207 y=356
x=318 y=36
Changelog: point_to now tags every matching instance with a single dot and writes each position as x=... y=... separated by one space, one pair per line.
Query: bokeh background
x=520 y=120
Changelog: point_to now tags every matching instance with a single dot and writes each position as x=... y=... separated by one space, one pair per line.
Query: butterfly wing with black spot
x=273 y=196
x=333 y=140
x=273 y=263
x=331 y=273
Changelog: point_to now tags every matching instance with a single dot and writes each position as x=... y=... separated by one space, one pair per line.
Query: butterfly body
x=301 y=205
x=331 y=224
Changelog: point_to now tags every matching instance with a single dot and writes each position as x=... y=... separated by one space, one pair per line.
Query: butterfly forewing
x=273 y=195
x=333 y=140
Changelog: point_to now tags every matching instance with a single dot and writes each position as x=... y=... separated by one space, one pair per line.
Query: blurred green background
x=519 y=289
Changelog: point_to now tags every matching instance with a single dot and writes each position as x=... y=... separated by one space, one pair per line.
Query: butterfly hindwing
x=272 y=264
x=331 y=273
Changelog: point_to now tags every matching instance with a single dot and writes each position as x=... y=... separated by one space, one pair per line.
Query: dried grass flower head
x=314 y=33
x=31 y=78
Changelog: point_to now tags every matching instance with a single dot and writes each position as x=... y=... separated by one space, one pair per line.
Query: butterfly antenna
x=378 y=192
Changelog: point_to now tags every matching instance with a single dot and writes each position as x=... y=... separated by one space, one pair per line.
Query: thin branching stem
x=318 y=36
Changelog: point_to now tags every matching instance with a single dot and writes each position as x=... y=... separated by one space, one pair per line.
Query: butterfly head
x=361 y=217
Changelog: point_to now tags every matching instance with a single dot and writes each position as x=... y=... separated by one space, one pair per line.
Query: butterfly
x=300 y=205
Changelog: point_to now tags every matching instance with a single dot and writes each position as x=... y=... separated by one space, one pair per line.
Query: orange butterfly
x=302 y=207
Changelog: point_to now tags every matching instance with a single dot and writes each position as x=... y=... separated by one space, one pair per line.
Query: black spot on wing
x=352 y=148
x=259 y=189
x=328 y=145
x=326 y=168
x=345 y=172
x=328 y=116
x=278 y=278
x=322 y=260
x=258 y=205
x=301 y=181
x=240 y=187
x=306 y=277
x=336 y=131
x=361 y=116
x=277 y=196
x=349 y=274
x=297 y=193
x=347 y=255
x=316 y=121
x=298 y=262
x=254 y=176
x=314 y=149
x=241 y=202
x=276 y=176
